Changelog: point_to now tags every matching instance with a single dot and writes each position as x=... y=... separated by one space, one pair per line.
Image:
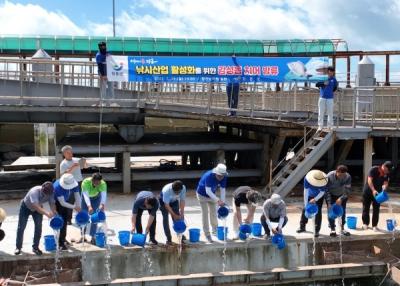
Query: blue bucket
x=245 y=228
x=352 y=222
x=223 y=212
x=138 y=239
x=221 y=233
x=390 y=224
x=97 y=217
x=56 y=222
x=124 y=236
x=335 y=211
x=194 y=234
x=82 y=218
x=49 y=243
x=243 y=236
x=179 y=226
x=100 y=239
x=311 y=210
x=279 y=241
x=256 y=229
x=381 y=197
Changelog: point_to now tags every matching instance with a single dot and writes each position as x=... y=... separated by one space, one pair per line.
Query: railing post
x=354 y=107
x=21 y=96
x=209 y=98
x=252 y=101
x=397 y=110
x=62 y=85
x=304 y=141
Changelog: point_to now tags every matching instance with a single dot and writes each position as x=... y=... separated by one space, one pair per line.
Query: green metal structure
x=87 y=46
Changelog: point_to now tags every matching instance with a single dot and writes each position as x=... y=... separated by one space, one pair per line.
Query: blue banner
x=216 y=69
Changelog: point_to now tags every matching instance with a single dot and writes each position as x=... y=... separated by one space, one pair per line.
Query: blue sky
x=364 y=24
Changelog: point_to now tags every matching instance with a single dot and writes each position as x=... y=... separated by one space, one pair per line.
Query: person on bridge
x=274 y=210
x=145 y=200
x=338 y=188
x=247 y=196
x=73 y=166
x=232 y=90
x=106 y=86
x=314 y=191
x=209 y=182
x=172 y=202
x=325 y=102
x=377 y=181
x=94 y=197
x=32 y=205
x=64 y=188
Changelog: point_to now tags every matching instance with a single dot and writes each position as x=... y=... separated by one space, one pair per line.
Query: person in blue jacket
x=325 y=102
x=106 y=86
x=206 y=189
x=232 y=91
x=315 y=186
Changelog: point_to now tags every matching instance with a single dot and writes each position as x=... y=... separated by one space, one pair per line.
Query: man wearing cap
x=377 y=181
x=3 y=216
x=209 y=182
x=71 y=165
x=338 y=189
x=247 y=196
x=172 y=202
x=314 y=191
x=32 y=204
x=106 y=87
x=325 y=102
x=94 y=197
x=274 y=210
x=145 y=200
x=64 y=188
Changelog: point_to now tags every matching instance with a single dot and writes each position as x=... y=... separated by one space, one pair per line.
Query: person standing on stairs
x=314 y=191
x=326 y=102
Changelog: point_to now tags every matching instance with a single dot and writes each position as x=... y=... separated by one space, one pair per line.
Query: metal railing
x=287 y=101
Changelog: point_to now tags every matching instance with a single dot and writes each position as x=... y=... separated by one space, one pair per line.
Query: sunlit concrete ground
x=119 y=209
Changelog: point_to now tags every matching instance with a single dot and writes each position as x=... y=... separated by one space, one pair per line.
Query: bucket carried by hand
x=138 y=239
x=381 y=197
x=335 y=211
x=256 y=229
x=311 y=210
x=56 y=222
x=223 y=212
x=179 y=226
x=82 y=218
x=279 y=241
x=98 y=216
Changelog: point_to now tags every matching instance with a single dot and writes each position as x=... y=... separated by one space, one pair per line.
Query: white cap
x=275 y=199
x=220 y=170
x=68 y=182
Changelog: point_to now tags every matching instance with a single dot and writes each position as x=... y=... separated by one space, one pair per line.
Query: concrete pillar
x=59 y=158
x=265 y=161
x=118 y=162
x=221 y=156
x=126 y=172
x=395 y=151
x=331 y=158
x=368 y=147
x=387 y=71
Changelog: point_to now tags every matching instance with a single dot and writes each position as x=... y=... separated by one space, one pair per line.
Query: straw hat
x=275 y=199
x=3 y=215
x=220 y=170
x=68 y=182
x=317 y=178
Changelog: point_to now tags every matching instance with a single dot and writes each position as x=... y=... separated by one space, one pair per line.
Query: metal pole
x=113 y=18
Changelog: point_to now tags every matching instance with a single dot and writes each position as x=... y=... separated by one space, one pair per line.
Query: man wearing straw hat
x=172 y=202
x=247 y=196
x=32 y=205
x=64 y=188
x=209 y=182
x=314 y=191
x=3 y=216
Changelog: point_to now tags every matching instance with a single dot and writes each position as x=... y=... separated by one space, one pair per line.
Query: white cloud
x=32 y=19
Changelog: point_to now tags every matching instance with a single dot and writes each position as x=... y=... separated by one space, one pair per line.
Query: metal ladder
x=304 y=159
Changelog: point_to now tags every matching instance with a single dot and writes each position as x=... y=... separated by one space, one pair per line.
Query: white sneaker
x=376 y=229
x=365 y=227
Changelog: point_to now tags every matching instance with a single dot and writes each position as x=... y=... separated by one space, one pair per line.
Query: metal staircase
x=304 y=159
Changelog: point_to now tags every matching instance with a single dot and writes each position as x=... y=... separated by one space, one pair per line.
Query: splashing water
x=224 y=251
x=179 y=252
x=339 y=222
x=148 y=263
x=107 y=261
x=83 y=258
x=57 y=266
x=314 y=241
x=391 y=216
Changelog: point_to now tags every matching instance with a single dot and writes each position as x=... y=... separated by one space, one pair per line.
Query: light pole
x=113 y=2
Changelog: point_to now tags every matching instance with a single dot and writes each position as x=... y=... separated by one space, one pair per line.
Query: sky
x=365 y=25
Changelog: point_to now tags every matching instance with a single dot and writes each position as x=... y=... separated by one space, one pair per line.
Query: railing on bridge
x=372 y=106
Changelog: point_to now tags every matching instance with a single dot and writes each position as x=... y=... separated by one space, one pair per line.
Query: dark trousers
x=23 y=217
x=333 y=201
x=95 y=202
x=232 y=91
x=139 y=228
x=318 y=216
x=71 y=200
x=368 y=198
x=63 y=212
x=272 y=219
x=175 y=208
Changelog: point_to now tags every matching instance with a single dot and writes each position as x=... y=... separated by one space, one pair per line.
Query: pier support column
x=221 y=156
x=59 y=158
x=126 y=172
x=331 y=158
x=368 y=147
x=344 y=151
x=277 y=149
x=395 y=151
x=265 y=162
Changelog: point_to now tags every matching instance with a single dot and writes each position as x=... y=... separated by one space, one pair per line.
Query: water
x=57 y=267
x=148 y=263
x=83 y=258
x=179 y=253
x=224 y=251
x=107 y=261
x=314 y=241
x=339 y=222
x=391 y=216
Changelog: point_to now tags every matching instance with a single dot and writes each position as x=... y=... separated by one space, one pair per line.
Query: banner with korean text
x=215 y=69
